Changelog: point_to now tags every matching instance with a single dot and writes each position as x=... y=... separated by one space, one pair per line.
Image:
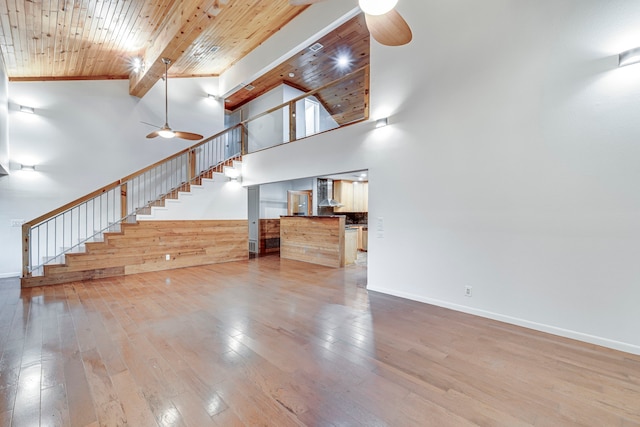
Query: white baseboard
x=592 y=339
x=9 y=275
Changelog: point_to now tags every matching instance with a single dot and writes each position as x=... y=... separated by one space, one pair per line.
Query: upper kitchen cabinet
x=353 y=195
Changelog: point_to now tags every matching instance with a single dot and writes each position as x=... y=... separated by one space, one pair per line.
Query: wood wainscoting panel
x=144 y=246
x=314 y=239
x=269 y=236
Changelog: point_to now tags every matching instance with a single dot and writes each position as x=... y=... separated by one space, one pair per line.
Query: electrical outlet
x=467 y=291
x=167 y=257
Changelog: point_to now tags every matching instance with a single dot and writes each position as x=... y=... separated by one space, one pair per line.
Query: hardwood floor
x=280 y=343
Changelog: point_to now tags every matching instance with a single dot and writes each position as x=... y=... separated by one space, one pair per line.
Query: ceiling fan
x=166 y=131
x=385 y=24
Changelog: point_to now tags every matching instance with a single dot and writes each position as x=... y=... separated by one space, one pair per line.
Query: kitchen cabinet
x=353 y=195
x=350 y=246
x=360 y=199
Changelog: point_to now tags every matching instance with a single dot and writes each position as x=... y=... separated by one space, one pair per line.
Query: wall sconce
x=380 y=123
x=628 y=57
x=29 y=168
x=212 y=96
x=28 y=110
x=232 y=173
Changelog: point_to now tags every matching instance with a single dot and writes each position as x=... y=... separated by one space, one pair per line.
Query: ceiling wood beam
x=185 y=21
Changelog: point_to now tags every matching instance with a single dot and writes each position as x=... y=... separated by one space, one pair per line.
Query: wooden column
x=123 y=200
x=25 y=250
x=244 y=139
x=192 y=165
x=292 y=121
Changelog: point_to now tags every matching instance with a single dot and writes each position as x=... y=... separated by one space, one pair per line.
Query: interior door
x=254 y=218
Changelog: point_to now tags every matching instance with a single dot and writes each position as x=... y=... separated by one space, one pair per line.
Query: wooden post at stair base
x=25 y=250
x=123 y=201
x=192 y=165
x=292 y=121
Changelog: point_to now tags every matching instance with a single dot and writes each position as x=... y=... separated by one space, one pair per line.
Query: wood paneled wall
x=269 y=233
x=314 y=239
x=143 y=247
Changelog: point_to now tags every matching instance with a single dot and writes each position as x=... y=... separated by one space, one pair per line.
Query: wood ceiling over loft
x=93 y=39
x=311 y=68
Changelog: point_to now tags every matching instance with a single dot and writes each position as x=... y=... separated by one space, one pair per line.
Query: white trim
x=9 y=275
x=592 y=339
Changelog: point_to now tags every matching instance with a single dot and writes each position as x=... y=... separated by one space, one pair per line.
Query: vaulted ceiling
x=98 y=39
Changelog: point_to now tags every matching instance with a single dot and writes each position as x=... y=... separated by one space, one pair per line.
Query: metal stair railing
x=46 y=239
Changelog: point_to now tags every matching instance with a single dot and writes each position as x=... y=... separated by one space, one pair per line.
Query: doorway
x=300 y=202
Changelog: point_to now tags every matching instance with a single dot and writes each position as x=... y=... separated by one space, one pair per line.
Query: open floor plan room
x=276 y=342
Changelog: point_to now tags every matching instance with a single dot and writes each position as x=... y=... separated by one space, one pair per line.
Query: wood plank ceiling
x=310 y=68
x=98 y=39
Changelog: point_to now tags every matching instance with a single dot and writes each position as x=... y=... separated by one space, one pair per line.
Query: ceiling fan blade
x=150 y=124
x=188 y=135
x=389 y=29
x=303 y=2
x=153 y=134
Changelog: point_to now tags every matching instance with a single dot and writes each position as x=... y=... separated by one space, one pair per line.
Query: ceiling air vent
x=315 y=47
x=249 y=87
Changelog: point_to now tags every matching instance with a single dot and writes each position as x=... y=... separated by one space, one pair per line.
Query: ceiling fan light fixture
x=377 y=7
x=166 y=133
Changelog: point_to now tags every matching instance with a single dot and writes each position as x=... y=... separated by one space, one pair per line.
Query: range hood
x=328 y=201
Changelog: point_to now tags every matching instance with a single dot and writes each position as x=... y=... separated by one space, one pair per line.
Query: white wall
x=4 y=121
x=87 y=134
x=273 y=197
x=510 y=164
x=216 y=198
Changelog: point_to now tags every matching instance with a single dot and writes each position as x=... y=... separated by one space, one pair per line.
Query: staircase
x=197 y=223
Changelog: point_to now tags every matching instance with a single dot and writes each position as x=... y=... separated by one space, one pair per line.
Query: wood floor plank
x=277 y=342
x=26 y=410
x=135 y=407
x=53 y=408
x=81 y=405
x=5 y=418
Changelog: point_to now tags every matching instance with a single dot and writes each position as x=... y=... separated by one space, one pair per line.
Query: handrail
x=142 y=189
x=122 y=180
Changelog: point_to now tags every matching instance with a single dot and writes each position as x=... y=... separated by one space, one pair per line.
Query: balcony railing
x=339 y=103
x=46 y=239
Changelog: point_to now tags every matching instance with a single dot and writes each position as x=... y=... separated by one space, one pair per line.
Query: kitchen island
x=314 y=239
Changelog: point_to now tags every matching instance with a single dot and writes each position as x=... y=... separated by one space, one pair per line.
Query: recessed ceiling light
x=343 y=61
x=292 y=75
